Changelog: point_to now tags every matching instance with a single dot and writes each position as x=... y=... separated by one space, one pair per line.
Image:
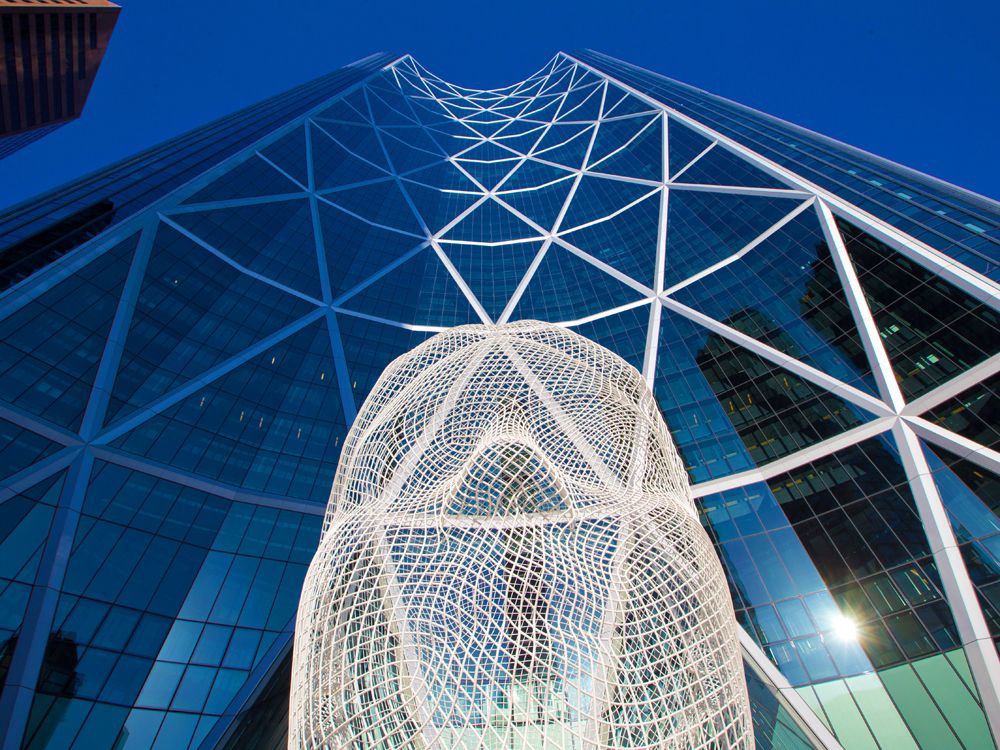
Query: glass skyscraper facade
x=188 y=334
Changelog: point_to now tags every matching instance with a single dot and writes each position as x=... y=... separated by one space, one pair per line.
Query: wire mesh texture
x=511 y=559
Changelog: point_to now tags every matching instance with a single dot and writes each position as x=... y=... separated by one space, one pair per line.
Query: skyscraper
x=51 y=52
x=188 y=335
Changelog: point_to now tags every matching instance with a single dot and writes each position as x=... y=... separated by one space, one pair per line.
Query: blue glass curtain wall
x=187 y=337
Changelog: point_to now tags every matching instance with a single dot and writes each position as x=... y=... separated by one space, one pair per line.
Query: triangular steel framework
x=522 y=138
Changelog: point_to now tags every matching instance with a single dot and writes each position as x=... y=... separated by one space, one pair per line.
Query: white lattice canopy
x=511 y=559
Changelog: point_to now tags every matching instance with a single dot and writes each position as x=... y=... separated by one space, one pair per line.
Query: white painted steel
x=511 y=558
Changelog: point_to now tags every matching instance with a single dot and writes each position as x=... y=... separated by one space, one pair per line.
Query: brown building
x=49 y=54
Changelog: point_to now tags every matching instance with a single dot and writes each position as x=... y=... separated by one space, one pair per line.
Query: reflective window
x=931 y=330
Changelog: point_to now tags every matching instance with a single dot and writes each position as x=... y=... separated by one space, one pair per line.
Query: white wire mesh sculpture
x=511 y=559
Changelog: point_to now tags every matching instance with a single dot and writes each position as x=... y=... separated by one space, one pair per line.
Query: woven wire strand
x=511 y=559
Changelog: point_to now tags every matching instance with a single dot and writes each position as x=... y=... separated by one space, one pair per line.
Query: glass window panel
x=160 y=685
x=440 y=193
x=703 y=228
x=193 y=311
x=176 y=731
x=626 y=241
x=975 y=413
x=684 y=144
x=283 y=403
x=773 y=411
x=193 y=689
x=847 y=721
x=381 y=203
x=126 y=680
x=565 y=287
x=932 y=331
x=720 y=166
x=273 y=239
x=356 y=249
x=289 y=153
x=920 y=710
x=51 y=347
x=492 y=273
x=881 y=715
x=642 y=157
x=597 y=197
x=542 y=205
x=787 y=294
x=334 y=164
x=419 y=291
x=20 y=448
x=55 y=722
x=250 y=178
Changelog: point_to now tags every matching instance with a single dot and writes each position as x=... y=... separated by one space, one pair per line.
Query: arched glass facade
x=187 y=336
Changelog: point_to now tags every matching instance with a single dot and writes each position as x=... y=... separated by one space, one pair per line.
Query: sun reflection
x=845 y=628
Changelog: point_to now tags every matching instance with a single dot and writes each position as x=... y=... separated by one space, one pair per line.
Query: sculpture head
x=511 y=558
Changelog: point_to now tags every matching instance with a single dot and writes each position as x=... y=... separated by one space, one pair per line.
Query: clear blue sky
x=916 y=81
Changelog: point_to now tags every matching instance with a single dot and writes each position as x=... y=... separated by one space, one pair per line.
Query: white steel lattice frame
x=469 y=109
x=511 y=558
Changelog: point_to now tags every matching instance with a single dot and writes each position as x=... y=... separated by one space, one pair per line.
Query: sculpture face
x=511 y=559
